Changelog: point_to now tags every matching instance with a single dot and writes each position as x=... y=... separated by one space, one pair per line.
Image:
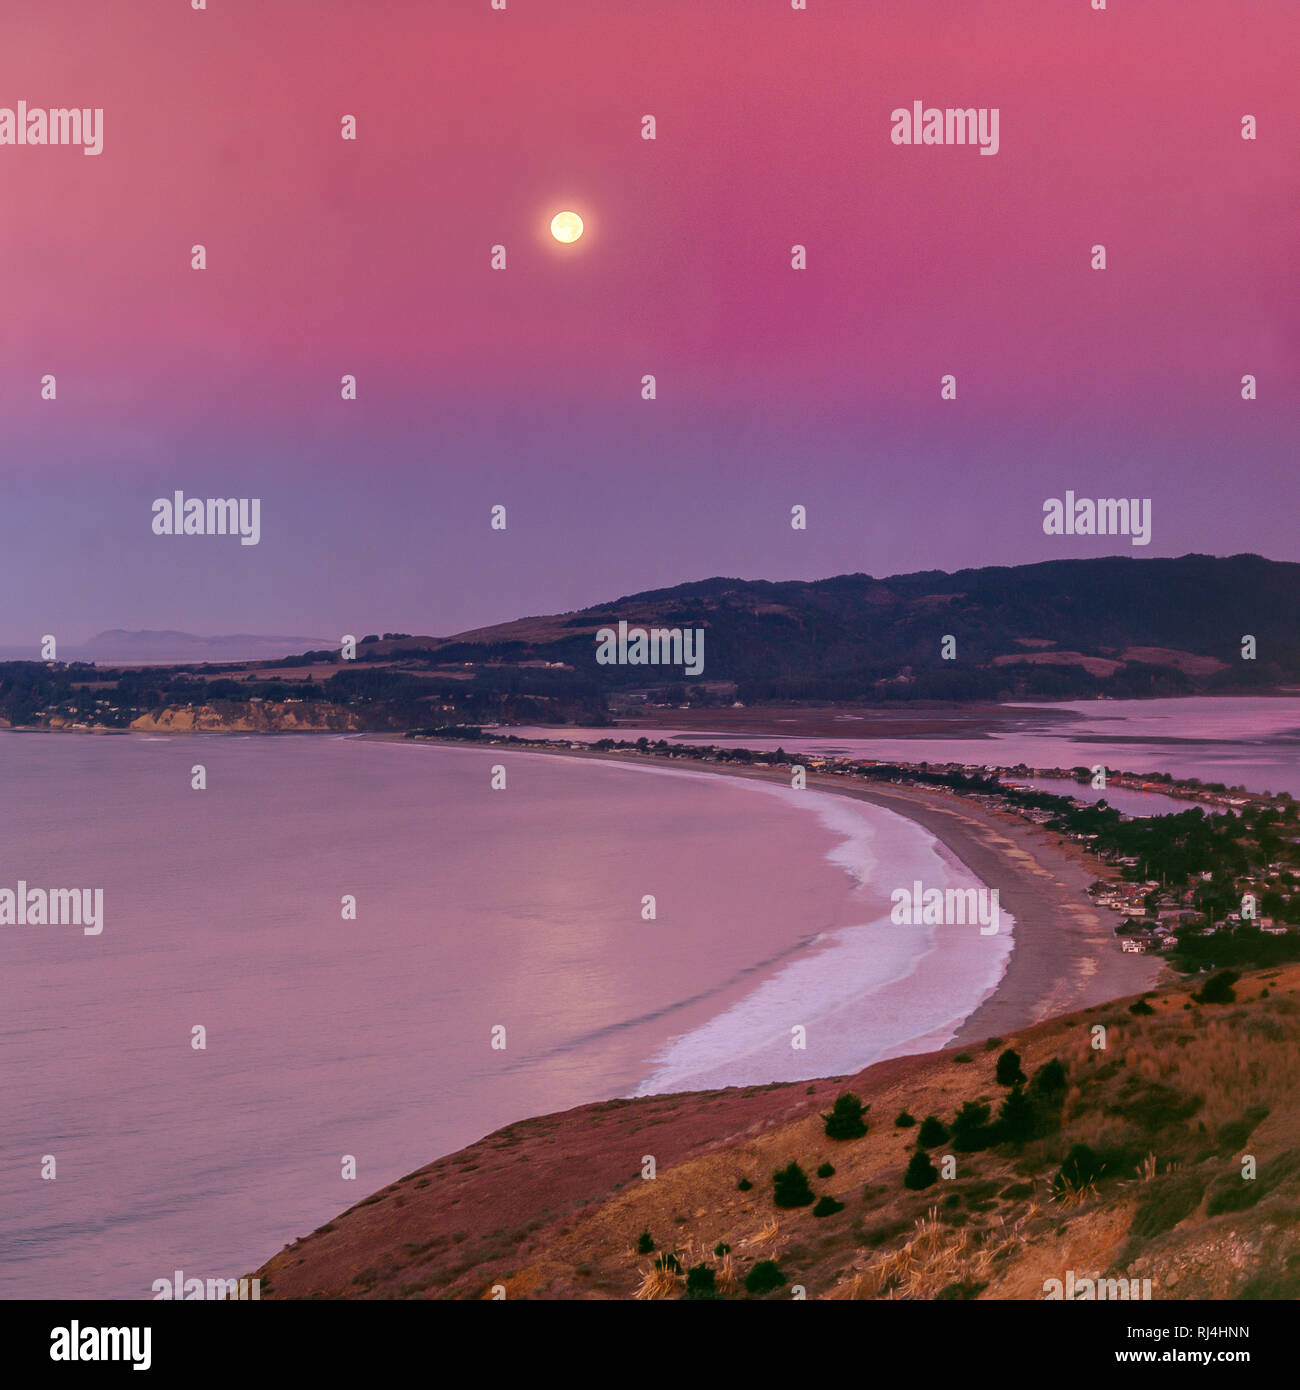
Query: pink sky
x=371 y=257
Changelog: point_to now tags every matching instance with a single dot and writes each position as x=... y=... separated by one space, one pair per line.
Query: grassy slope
x=552 y=1207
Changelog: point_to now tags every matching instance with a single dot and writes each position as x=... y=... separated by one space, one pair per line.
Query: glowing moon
x=566 y=226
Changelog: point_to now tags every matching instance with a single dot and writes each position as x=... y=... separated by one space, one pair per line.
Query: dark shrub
x=827 y=1170
x=1218 y=989
x=933 y=1131
x=700 y=1282
x=971 y=1130
x=904 y=1120
x=827 y=1206
x=721 y=1249
x=1049 y=1083
x=1016 y=1120
x=1082 y=1165
x=790 y=1187
x=668 y=1261
x=645 y=1243
x=764 y=1277
x=921 y=1173
x=1140 y=1006
x=744 y=1185
x=1008 y=1072
x=845 y=1120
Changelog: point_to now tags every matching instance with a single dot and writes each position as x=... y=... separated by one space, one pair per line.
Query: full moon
x=566 y=226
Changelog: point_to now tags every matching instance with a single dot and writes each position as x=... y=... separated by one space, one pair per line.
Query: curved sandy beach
x=1065 y=953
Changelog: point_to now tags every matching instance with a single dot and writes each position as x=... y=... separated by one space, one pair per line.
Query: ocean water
x=476 y=908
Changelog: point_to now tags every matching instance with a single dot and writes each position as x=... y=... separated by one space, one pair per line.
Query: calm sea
x=520 y=908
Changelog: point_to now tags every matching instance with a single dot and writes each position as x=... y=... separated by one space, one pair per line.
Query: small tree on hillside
x=1082 y=1167
x=1009 y=1073
x=932 y=1133
x=1050 y=1082
x=970 y=1128
x=701 y=1282
x=764 y=1277
x=845 y=1120
x=1016 y=1118
x=921 y=1173
x=790 y=1187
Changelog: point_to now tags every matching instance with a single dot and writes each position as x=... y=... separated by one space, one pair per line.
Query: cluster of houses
x=1154 y=928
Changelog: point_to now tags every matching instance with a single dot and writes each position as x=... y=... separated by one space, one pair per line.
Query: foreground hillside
x=1166 y=1111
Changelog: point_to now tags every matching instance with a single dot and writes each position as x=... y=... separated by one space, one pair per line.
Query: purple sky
x=522 y=387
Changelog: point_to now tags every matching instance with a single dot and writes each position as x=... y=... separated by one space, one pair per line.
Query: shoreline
x=1064 y=956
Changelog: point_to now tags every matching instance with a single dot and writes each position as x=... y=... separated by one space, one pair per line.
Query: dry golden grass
x=659 y=1282
x=1231 y=1067
x=934 y=1257
x=1228 y=1059
x=1075 y=1194
x=1233 y=1059
x=768 y=1234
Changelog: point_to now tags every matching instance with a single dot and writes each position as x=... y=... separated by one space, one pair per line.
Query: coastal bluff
x=253 y=716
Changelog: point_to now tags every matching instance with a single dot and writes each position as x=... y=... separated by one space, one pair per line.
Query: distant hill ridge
x=1115 y=625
